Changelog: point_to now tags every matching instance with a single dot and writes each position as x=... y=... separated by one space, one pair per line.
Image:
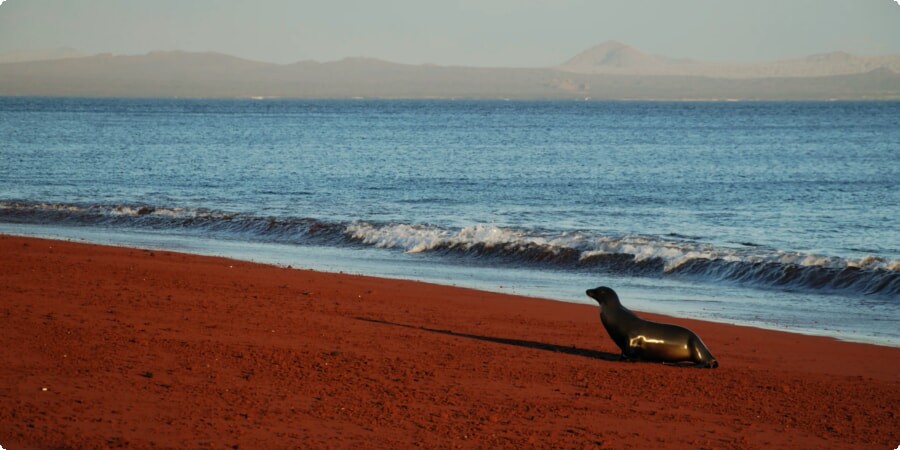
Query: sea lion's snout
x=600 y=293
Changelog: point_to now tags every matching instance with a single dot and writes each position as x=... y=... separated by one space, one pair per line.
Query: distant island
x=611 y=70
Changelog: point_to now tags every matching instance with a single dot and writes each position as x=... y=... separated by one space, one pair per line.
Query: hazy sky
x=522 y=33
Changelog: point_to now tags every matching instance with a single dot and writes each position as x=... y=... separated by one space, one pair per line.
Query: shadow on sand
x=516 y=342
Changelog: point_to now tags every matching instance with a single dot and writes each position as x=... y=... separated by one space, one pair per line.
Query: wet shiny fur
x=644 y=340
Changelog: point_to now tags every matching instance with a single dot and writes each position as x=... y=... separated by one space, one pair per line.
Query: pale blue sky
x=521 y=33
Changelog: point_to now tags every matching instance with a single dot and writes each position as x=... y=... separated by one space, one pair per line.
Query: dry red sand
x=116 y=347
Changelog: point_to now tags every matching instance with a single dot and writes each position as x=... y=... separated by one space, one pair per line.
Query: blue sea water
x=775 y=214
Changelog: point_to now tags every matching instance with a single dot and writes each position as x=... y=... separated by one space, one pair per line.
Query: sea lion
x=642 y=339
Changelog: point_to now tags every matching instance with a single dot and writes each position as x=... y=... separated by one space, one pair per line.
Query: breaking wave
x=660 y=256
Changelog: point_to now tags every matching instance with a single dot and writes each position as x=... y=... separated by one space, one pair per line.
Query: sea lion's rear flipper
x=702 y=356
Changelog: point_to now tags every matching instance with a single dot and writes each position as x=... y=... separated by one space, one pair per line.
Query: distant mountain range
x=617 y=58
x=611 y=70
x=40 y=55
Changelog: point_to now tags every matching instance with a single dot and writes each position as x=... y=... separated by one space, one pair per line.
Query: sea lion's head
x=603 y=295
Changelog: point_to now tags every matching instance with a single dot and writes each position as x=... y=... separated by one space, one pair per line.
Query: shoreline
x=504 y=280
x=107 y=346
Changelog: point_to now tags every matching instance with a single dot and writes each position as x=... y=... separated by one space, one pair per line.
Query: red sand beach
x=116 y=347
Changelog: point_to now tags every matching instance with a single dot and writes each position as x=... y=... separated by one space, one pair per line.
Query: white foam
x=124 y=211
x=421 y=238
x=673 y=254
x=410 y=238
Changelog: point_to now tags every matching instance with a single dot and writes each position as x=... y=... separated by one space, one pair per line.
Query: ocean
x=780 y=215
